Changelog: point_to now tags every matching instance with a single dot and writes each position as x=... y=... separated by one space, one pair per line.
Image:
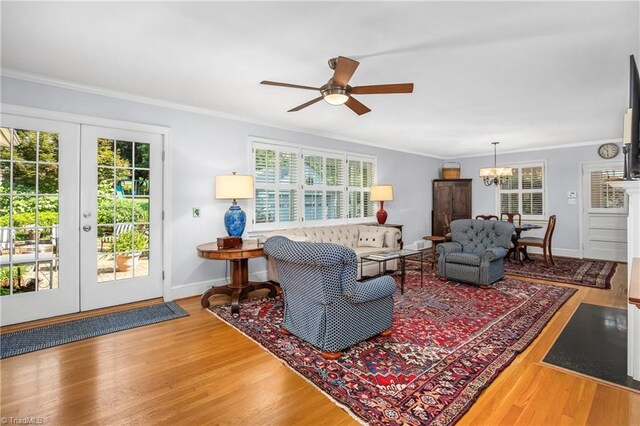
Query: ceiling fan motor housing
x=332 y=89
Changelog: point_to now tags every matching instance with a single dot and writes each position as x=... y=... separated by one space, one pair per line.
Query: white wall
x=202 y=146
x=563 y=172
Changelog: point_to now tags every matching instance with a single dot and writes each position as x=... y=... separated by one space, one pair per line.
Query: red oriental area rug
x=584 y=272
x=449 y=342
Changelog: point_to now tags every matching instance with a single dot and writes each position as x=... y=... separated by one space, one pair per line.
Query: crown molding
x=545 y=148
x=40 y=79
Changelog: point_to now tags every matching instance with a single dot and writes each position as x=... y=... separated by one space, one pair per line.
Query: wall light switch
x=196 y=211
x=572 y=194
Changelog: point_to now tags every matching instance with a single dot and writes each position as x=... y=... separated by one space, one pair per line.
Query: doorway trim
x=124 y=125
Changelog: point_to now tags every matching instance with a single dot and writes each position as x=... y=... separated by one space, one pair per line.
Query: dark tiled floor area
x=594 y=343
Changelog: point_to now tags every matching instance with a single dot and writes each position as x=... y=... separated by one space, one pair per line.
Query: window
x=603 y=197
x=324 y=189
x=276 y=184
x=524 y=192
x=361 y=177
x=294 y=184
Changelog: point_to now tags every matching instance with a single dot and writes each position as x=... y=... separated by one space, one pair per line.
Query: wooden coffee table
x=240 y=285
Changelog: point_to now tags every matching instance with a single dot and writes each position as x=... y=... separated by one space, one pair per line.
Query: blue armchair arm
x=446 y=248
x=493 y=253
x=372 y=289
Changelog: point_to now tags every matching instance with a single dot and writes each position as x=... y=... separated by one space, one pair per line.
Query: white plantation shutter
x=276 y=170
x=524 y=192
x=362 y=172
x=324 y=189
x=604 y=197
x=295 y=184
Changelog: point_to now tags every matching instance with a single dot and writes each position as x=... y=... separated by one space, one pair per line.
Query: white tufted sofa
x=346 y=235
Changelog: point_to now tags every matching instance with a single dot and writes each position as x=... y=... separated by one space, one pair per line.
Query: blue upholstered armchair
x=476 y=252
x=323 y=303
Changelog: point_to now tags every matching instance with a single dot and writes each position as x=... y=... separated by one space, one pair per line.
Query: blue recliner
x=323 y=303
x=476 y=252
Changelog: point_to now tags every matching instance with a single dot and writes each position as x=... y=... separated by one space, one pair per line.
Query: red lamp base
x=381 y=215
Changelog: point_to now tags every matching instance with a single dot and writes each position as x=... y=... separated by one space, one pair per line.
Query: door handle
x=86 y=228
x=86 y=214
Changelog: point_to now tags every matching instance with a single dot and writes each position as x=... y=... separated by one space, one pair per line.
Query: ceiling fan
x=337 y=90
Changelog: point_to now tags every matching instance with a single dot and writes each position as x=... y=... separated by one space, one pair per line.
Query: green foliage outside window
x=136 y=239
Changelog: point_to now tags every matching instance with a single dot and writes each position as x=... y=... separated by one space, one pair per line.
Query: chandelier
x=495 y=175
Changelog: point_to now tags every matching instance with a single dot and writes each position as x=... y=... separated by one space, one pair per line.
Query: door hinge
x=163 y=153
x=162 y=214
x=162 y=275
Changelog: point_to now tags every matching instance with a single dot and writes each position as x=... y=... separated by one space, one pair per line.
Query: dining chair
x=446 y=226
x=543 y=243
x=487 y=217
x=511 y=217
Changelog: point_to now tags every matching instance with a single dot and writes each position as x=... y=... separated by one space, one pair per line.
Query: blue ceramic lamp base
x=235 y=220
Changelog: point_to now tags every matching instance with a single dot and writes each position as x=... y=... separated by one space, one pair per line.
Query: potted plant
x=128 y=247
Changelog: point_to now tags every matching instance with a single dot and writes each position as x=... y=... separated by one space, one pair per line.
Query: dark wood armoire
x=451 y=197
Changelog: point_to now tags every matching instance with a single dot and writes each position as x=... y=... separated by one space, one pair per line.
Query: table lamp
x=234 y=187
x=381 y=193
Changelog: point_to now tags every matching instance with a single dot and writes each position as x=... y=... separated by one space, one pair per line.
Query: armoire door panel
x=451 y=197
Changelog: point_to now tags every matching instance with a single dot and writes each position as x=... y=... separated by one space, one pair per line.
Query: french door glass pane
x=28 y=211
x=123 y=189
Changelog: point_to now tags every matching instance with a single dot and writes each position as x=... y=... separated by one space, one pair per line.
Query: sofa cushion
x=464 y=258
x=371 y=239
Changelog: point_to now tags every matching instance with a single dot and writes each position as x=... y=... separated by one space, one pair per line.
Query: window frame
x=520 y=191
x=302 y=150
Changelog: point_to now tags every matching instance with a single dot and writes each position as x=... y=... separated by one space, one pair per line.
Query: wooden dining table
x=519 y=229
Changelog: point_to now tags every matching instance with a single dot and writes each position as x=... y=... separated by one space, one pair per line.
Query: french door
x=38 y=218
x=80 y=217
x=121 y=217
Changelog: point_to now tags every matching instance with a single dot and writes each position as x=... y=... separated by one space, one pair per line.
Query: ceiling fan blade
x=383 y=88
x=357 y=106
x=295 y=86
x=345 y=68
x=306 y=104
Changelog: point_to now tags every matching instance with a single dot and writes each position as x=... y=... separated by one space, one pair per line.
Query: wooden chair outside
x=543 y=243
x=487 y=217
x=511 y=217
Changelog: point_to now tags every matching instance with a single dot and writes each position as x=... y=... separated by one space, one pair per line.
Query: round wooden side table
x=240 y=285
x=435 y=240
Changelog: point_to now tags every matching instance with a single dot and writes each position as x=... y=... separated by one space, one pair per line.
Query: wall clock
x=608 y=150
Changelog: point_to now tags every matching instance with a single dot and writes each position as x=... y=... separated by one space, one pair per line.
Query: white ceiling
x=529 y=75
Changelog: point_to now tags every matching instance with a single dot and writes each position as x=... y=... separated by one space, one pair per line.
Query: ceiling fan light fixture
x=335 y=96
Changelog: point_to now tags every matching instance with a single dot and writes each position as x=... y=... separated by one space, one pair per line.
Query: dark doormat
x=594 y=343
x=33 y=339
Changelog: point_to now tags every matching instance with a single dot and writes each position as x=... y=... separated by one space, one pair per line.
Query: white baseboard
x=557 y=252
x=197 y=288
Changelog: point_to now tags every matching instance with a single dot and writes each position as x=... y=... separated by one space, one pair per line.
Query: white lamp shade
x=496 y=171
x=381 y=193
x=230 y=187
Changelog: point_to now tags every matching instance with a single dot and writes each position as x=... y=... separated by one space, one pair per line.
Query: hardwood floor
x=198 y=370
